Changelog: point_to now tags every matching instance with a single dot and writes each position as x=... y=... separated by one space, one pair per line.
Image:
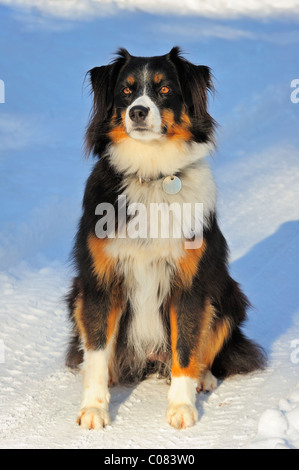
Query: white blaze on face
x=152 y=121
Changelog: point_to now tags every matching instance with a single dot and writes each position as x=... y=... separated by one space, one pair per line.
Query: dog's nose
x=138 y=114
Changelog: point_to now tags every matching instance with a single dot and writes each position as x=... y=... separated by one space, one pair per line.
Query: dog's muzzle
x=143 y=120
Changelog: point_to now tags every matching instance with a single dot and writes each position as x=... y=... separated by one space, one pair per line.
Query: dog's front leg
x=94 y=412
x=181 y=412
x=97 y=320
x=198 y=333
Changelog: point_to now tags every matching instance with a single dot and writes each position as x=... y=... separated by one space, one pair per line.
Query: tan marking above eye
x=130 y=80
x=158 y=77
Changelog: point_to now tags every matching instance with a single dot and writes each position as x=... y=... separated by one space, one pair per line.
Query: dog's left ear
x=195 y=81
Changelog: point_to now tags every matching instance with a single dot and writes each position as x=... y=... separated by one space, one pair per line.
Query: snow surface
x=43 y=61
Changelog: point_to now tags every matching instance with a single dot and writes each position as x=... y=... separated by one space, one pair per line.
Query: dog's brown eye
x=127 y=91
x=164 y=90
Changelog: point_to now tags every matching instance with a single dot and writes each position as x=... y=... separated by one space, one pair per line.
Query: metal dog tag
x=172 y=184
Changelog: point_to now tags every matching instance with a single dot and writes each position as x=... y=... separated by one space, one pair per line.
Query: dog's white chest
x=148 y=286
x=147 y=270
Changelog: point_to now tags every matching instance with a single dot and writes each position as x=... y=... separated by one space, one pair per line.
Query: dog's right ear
x=102 y=104
x=102 y=80
x=102 y=88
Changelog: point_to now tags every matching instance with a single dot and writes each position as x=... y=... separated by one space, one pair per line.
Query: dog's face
x=149 y=99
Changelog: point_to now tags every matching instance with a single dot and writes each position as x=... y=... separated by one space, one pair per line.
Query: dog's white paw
x=93 y=418
x=181 y=416
x=207 y=382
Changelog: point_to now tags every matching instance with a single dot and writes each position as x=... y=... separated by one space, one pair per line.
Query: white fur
x=152 y=120
x=207 y=382
x=198 y=186
x=182 y=391
x=147 y=268
x=96 y=396
x=151 y=159
x=181 y=411
x=146 y=334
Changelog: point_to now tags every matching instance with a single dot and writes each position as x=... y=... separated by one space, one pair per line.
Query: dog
x=145 y=304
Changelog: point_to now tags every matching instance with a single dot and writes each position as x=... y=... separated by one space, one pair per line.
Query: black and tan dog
x=143 y=303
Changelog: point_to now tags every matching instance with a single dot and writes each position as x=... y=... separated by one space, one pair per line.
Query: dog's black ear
x=101 y=108
x=102 y=80
x=123 y=54
x=195 y=82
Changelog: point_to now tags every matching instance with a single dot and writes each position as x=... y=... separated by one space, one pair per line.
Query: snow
x=219 y=8
x=44 y=58
x=279 y=427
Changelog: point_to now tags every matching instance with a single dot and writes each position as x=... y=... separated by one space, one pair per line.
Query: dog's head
x=149 y=99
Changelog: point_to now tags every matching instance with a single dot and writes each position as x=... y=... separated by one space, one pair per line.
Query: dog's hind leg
x=74 y=356
x=207 y=382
